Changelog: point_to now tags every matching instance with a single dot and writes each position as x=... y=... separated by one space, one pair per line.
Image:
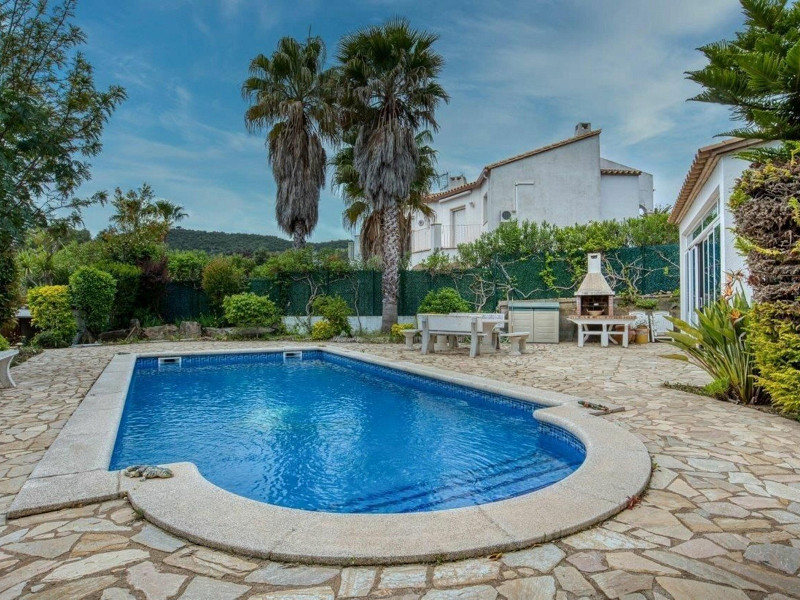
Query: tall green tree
x=390 y=92
x=51 y=120
x=291 y=94
x=51 y=114
x=359 y=215
x=757 y=74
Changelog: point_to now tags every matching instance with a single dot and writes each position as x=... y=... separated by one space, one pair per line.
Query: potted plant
x=642 y=328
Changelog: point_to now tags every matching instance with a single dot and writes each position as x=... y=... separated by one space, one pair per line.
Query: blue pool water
x=327 y=433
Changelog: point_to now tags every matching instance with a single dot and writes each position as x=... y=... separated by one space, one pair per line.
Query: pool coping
x=74 y=471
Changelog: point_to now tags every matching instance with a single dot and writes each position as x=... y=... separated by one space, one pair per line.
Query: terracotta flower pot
x=642 y=335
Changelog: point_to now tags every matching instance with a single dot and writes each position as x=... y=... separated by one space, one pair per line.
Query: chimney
x=453 y=181
x=582 y=128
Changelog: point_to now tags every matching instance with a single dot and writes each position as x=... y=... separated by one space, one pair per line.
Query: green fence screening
x=647 y=270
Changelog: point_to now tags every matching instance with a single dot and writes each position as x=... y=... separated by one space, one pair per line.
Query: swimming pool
x=331 y=433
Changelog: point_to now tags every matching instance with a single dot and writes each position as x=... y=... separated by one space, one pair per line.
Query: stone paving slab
x=716 y=523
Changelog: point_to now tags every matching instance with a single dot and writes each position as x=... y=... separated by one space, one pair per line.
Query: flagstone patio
x=721 y=519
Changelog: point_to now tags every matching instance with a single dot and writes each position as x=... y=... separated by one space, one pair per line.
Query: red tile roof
x=620 y=172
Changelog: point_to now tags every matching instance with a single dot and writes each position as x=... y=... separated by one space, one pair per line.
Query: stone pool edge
x=74 y=471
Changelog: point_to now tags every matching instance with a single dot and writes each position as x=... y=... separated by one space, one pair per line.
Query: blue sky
x=520 y=75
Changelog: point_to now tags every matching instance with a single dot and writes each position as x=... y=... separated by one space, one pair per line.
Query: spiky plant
x=389 y=93
x=291 y=95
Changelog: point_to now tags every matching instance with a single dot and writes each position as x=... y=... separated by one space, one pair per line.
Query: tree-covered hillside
x=219 y=242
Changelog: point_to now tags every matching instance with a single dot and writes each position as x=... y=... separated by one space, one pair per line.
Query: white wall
x=721 y=180
x=567 y=189
x=566 y=186
x=732 y=169
x=358 y=324
x=619 y=196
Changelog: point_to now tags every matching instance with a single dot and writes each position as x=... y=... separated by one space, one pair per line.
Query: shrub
x=717 y=389
x=719 y=345
x=444 y=300
x=147 y=318
x=128 y=279
x=323 y=330
x=251 y=310
x=221 y=277
x=49 y=339
x=775 y=338
x=335 y=310
x=92 y=292
x=646 y=303
x=4 y=345
x=52 y=314
x=152 y=283
x=72 y=256
x=398 y=329
x=186 y=267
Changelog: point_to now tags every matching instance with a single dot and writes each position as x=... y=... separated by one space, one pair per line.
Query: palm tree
x=389 y=93
x=291 y=93
x=168 y=213
x=359 y=214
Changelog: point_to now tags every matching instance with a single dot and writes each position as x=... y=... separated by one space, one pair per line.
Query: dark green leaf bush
x=186 y=267
x=521 y=239
x=443 y=301
x=128 y=279
x=92 y=292
x=51 y=313
x=221 y=278
x=251 y=310
x=335 y=310
x=9 y=287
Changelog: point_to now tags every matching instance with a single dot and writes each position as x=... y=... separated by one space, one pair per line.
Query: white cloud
x=522 y=74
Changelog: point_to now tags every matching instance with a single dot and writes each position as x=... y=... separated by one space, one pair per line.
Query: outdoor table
x=489 y=321
x=606 y=324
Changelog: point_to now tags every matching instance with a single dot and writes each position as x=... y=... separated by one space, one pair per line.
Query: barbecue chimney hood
x=594 y=284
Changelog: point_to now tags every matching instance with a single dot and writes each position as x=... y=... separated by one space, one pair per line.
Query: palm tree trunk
x=298 y=237
x=391 y=268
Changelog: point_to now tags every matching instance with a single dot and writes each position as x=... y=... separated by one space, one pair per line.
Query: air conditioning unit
x=507 y=215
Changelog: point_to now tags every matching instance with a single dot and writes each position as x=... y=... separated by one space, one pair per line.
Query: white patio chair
x=660 y=325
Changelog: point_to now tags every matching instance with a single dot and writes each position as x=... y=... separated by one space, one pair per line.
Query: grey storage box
x=540 y=318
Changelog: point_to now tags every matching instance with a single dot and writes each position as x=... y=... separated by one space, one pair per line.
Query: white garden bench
x=5 y=365
x=453 y=327
x=518 y=340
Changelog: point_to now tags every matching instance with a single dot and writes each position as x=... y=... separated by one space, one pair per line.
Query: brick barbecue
x=594 y=297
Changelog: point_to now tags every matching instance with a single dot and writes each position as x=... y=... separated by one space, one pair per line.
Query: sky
x=520 y=74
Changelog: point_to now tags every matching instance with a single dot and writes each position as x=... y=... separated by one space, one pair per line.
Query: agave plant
x=718 y=344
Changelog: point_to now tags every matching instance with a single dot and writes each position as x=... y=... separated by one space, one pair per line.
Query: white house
x=564 y=183
x=704 y=222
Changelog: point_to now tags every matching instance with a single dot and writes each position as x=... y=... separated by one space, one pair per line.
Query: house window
x=703 y=262
x=485 y=208
x=459 y=226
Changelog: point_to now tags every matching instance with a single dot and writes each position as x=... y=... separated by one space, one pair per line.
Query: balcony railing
x=439 y=236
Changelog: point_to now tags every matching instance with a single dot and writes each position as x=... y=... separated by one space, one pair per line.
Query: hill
x=219 y=242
